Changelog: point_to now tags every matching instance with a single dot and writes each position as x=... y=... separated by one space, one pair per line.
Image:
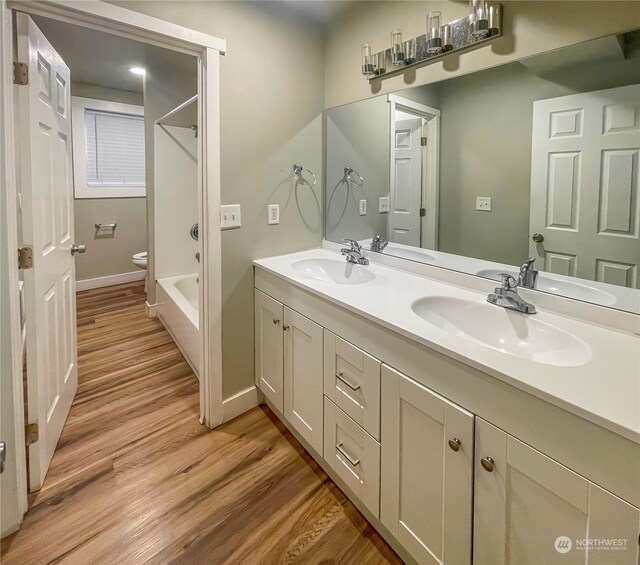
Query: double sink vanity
x=464 y=431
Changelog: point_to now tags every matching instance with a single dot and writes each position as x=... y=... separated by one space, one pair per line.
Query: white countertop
x=605 y=390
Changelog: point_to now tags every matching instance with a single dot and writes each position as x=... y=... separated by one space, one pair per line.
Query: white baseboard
x=110 y=280
x=239 y=403
x=152 y=310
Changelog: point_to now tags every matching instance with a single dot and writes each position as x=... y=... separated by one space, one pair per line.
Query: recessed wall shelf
x=460 y=35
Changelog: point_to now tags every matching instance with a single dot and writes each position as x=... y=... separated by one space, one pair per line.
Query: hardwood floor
x=136 y=478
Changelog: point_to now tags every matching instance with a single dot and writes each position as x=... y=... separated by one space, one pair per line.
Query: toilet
x=140 y=260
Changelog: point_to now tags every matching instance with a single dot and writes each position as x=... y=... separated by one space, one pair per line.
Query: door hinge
x=423 y=141
x=423 y=212
x=31 y=433
x=25 y=258
x=20 y=73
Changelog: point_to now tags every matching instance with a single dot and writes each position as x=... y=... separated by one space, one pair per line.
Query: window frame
x=79 y=144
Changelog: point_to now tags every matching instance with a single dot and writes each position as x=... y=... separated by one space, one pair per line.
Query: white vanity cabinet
x=269 y=316
x=426 y=471
x=531 y=509
x=303 y=398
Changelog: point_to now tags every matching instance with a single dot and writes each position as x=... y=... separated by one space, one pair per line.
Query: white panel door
x=269 y=347
x=406 y=182
x=426 y=471
x=585 y=185
x=530 y=509
x=47 y=215
x=303 y=377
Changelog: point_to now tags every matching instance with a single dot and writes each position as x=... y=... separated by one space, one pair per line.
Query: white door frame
x=132 y=25
x=430 y=173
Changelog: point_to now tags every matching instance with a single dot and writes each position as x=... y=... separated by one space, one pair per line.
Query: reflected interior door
x=584 y=185
x=406 y=182
x=47 y=218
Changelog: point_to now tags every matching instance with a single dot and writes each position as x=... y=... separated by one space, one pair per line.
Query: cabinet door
x=531 y=509
x=352 y=382
x=426 y=472
x=303 y=377
x=269 y=347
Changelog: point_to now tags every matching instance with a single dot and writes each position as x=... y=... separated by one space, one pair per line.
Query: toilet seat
x=140 y=260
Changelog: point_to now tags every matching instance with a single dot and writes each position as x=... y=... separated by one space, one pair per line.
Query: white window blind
x=115 y=149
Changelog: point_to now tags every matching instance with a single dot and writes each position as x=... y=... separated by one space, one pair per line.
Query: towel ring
x=349 y=171
x=297 y=174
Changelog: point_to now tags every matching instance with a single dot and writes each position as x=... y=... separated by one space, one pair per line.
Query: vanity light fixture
x=139 y=71
x=484 y=23
x=397 y=47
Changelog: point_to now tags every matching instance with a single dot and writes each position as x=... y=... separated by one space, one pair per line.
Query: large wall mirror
x=532 y=159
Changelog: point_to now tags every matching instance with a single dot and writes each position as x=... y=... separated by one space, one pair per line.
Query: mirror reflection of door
x=585 y=152
x=406 y=181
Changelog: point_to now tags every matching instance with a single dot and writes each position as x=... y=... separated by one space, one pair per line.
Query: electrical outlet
x=273 y=214
x=383 y=204
x=363 y=207
x=230 y=216
x=483 y=203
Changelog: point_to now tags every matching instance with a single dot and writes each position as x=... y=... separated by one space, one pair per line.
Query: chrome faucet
x=528 y=275
x=354 y=253
x=378 y=244
x=507 y=296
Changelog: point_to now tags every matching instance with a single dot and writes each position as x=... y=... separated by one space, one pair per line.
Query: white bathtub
x=177 y=299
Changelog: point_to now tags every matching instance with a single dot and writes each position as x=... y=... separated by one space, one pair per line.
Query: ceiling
x=322 y=11
x=103 y=59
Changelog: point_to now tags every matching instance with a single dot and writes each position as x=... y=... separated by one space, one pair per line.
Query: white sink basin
x=333 y=270
x=570 y=289
x=513 y=333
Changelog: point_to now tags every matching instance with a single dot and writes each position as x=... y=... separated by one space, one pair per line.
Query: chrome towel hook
x=350 y=172
x=297 y=174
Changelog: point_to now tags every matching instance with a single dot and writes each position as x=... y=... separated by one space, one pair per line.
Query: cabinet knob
x=285 y=327
x=276 y=321
x=455 y=444
x=487 y=463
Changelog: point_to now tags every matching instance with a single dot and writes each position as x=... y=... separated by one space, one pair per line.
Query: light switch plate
x=230 y=216
x=383 y=204
x=273 y=214
x=363 y=207
x=483 y=203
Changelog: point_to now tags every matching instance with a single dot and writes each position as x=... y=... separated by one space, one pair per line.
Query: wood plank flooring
x=136 y=478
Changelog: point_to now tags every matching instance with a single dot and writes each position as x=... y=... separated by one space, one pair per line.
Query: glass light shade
x=397 y=47
x=447 y=37
x=367 y=60
x=434 y=32
x=479 y=17
x=410 y=51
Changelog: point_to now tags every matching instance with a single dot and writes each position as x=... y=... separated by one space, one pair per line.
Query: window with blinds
x=114 y=149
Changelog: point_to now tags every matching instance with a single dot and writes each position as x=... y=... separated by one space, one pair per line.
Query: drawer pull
x=354 y=462
x=340 y=376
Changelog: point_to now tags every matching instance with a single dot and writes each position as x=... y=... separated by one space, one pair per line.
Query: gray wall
x=272 y=99
x=108 y=253
x=357 y=136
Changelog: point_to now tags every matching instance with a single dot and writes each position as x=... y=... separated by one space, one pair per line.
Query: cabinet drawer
x=352 y=382
x=353 y=454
